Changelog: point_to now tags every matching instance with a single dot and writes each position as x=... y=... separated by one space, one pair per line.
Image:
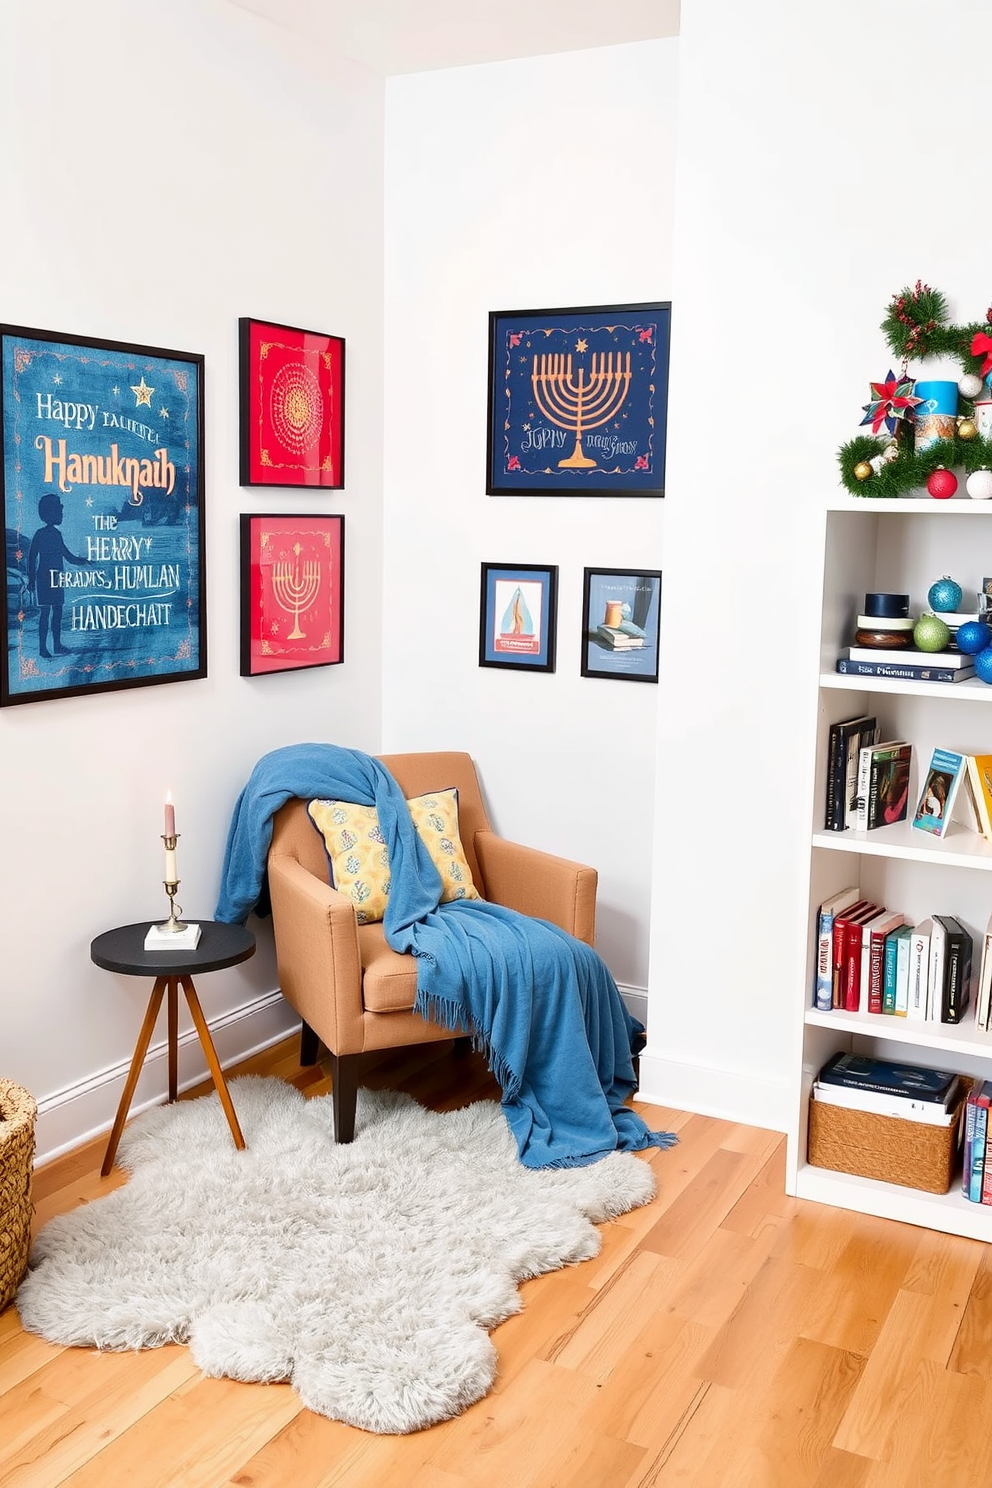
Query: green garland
x=909 y=470
x=916 y=325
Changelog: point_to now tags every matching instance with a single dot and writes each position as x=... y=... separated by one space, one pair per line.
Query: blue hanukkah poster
x=578 y=401
x=102 y=479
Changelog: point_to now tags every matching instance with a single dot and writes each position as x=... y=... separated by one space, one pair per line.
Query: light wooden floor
x=726 y=1336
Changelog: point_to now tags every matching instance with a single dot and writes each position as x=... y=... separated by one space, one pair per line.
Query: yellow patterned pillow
x=435 y=817
x=358 y=859
x=356 y=854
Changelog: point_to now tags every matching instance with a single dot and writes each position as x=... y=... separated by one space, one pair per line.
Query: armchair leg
x=309 y=1045
x=344 y=1094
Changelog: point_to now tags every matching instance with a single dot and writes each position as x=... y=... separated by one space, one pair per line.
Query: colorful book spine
x=938 y=968
x=841 y=924
x=919 y=971
x=958 y=954
x=904 y=937
x=976 y=1163
x=968 y=1143
x=877 y=932
x=890 y=972
x=903 y=673
x=829 y=909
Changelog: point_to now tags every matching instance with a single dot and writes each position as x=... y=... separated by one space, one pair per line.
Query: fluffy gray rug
x=367 y=1275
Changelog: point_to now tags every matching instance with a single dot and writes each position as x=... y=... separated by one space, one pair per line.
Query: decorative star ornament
x=892 y=400
x=142 y=393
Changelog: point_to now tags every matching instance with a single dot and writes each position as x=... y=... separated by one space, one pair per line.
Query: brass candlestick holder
x=173 y=924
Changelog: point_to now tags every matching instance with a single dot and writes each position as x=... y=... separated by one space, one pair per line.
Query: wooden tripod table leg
x=214 y=1063
x=140 y=1050
x=172 y=1013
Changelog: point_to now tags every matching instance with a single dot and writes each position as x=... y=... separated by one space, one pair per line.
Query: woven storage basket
x=884 y=1147
x=17 y=1118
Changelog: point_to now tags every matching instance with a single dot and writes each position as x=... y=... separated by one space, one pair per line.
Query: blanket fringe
x=451 y=1014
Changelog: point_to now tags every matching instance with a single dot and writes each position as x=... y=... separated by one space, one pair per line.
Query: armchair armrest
x=539 y=884
x=317 y=952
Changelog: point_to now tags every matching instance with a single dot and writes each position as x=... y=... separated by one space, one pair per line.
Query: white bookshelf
x=902 y=546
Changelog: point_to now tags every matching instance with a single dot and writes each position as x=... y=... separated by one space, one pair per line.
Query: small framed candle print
x=292 y=592
x=621 y=610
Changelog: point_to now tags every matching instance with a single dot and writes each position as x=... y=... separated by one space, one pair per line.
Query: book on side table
x=185 y=939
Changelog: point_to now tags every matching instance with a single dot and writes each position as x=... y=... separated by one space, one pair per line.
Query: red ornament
x=942 y=484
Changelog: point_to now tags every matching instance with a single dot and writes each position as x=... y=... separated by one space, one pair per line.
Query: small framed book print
x=940 y=787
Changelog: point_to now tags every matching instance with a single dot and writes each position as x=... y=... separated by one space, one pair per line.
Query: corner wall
x=521 y=185
x=811 y=159
x=168 y=169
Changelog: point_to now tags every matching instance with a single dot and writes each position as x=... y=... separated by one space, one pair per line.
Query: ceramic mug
x=983 y=418
x=936 y=414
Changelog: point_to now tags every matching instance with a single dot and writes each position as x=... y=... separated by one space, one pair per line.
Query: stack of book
x=884 y=1088
x=873 y=959
x=906 y=665
x=623 y=637
x=976 y=1174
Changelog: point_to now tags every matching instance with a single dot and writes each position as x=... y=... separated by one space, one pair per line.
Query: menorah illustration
x=576 y=403
x=296 y=590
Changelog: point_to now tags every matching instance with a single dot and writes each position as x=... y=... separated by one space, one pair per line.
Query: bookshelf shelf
x=964 y=692
x=958 y=1039
x=950 y=1212
x=959 y=849
x=900 y=545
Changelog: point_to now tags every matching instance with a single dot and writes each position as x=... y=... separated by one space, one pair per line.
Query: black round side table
x=123 y=950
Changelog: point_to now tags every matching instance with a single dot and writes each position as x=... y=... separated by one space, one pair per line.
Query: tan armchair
x=353 y=993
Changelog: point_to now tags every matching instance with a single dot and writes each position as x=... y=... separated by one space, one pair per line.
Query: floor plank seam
x=674 y=1437
x=552 y=1353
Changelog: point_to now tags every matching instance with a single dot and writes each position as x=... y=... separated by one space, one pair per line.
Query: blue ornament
x=973 y=636
x=944 y=595
x=983 y=665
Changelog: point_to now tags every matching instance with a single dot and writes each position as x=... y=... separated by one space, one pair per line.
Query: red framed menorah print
x=292 y=593
x=291 y=406
x=578 y=401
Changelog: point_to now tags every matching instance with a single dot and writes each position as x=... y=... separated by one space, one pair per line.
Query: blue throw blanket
x=541 y=1004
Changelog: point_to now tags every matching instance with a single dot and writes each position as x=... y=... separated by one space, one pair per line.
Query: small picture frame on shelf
x=621 y=617
x=291 y=406
x=518 y=616
x=292 y=592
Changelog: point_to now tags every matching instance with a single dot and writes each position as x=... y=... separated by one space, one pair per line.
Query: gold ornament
x=966 y=429
x=862 y=470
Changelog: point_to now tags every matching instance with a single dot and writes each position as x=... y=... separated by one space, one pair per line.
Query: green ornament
x=930 y=633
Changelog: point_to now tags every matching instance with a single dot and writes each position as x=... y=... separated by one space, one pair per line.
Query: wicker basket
x=885 y=1147
x=17 y=1118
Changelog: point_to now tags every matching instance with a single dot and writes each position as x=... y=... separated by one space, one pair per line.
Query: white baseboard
x=82 y=1111
x=635 y=1000
x=730 y=1094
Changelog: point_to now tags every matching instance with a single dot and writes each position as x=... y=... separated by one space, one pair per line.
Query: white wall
x=268 y=159
x=813 y=146
x=520 y=185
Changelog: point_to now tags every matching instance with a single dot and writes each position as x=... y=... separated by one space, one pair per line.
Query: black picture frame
x=621 y=623
x=292 y=592
x=578 y=401
x=518 y=616
x=102 y=484
x=291 y=406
